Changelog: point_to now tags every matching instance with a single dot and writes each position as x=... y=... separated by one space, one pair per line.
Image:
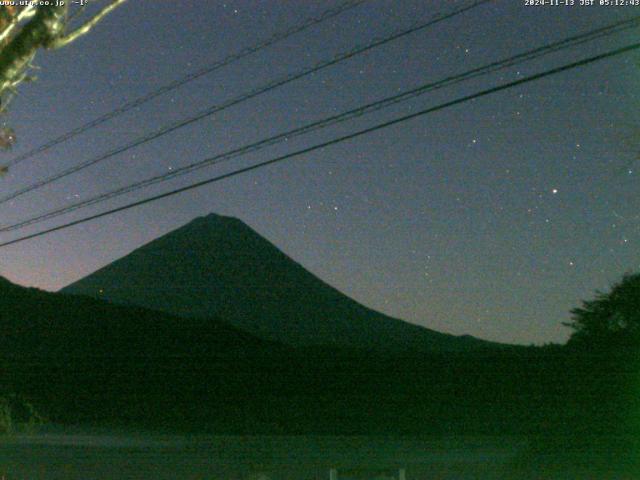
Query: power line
x=339 y=118
x=278 y=37
x=334 y=141
x=241 y=98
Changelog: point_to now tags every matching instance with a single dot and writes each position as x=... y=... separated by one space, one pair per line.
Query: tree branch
x=26 y=12
x=47 y=24
x=62 y=41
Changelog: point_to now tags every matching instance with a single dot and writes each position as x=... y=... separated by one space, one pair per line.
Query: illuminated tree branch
x=47 y=24
x=25 y=13
x=42 y=27
x=86 y=28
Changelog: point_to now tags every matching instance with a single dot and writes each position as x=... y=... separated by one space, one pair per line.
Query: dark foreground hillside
x=82 y=360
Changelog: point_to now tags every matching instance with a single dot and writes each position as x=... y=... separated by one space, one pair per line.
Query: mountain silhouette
x=217 y=266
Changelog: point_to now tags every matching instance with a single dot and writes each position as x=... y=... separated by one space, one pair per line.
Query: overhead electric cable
x=277 y=37
x=332 y=120
x=380 y=126
x=239 y=99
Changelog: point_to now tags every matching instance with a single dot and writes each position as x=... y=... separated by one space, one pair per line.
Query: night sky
x=492 y=218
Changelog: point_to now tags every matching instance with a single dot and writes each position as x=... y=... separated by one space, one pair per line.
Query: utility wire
x=335 y=119
x=241 y=98
x=380 y=126
x=308 y=23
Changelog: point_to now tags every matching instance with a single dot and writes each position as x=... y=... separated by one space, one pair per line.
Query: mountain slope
x=218 y=266
x=86 y=360
x=39 y=323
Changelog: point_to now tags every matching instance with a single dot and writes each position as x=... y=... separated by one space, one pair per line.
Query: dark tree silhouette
x=611 y=319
